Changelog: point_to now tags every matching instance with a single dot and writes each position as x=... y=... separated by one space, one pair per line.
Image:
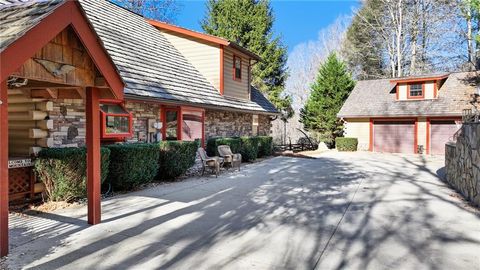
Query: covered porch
x=49 y=53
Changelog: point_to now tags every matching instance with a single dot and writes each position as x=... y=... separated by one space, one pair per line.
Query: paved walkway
x=340 y=211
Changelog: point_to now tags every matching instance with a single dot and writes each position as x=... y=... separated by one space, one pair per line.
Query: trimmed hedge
x=265 y=146
x=64 y=172
x=346 y=144
x=235 y=144
x=132 y=165
x=176 y=157
x=249 y=148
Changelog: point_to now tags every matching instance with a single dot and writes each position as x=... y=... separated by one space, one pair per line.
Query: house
x=416 y=114
x=82 y=73
x=176 y=87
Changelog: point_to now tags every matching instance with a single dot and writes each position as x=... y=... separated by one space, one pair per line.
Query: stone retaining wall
x=462 y=163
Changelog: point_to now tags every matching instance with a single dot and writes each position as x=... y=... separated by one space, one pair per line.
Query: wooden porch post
x=3 y=170
x=93 y=155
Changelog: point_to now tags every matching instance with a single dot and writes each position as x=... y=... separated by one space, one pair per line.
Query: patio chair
x=235 y=160
x=213 y=163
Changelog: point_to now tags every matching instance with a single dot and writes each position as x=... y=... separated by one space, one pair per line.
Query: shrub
x=133 y=164
x=346 y=144
x=265 y=146
x=249 y=148
x=176 y=157
x=64 y=172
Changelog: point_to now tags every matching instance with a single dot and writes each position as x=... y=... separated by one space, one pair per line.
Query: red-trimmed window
x=116 y=121
x=237 y=68
x=415 y=90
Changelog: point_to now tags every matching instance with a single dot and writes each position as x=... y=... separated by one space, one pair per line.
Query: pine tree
x=249 y=24
x=328 y=93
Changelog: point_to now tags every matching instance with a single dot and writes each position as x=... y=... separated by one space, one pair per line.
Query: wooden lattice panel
x=19 y=181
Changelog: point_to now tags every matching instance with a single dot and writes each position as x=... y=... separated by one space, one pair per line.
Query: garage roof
x=376 y=98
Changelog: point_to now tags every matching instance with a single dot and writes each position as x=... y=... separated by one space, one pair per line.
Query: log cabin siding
x=235 y=88
x=205 y=57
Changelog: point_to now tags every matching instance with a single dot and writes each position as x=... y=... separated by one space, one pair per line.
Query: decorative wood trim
x=415 y=137
x=419 y=80
x=93 y=155
x=3 y=169
x=397 y=91
x=222 y=69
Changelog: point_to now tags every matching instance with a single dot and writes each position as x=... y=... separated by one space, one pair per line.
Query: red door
x=441 y=132
x=394 y=137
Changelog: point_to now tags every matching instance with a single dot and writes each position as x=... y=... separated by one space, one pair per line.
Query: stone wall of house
x=233 y=124
x=69 y=123
x=142 y=112
x=462 y=163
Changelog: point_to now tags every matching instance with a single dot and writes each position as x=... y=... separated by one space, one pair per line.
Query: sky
x=295 y=21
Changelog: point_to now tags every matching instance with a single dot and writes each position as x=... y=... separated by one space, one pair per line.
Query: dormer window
x=237 y=68
x=415 y=91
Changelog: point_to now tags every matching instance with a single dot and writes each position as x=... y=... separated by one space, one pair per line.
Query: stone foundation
x=234 y=124
x=462 y=163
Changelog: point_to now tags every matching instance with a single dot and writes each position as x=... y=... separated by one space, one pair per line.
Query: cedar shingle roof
x=152 y=67
x=17 y=17
x=376 y=98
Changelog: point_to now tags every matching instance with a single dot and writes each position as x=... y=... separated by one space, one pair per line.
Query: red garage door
x=441 y=132
x=394 y=137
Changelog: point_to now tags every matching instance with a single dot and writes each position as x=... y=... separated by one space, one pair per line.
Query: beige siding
x=358 y=128
x=205 y=57
x=233 y=88
x=422 y=133
x=402 y=94
x=429 y=90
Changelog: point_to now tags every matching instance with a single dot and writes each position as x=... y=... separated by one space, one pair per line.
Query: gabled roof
x=151 y=66
x=25 y=27
x=202 y=36
x=376 y=98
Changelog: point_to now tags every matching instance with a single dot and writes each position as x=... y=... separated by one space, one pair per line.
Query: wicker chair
x=213 y=163
x=235 y=160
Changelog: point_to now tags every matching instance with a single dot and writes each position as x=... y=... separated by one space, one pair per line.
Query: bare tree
x=162 y=10
x=303 y=63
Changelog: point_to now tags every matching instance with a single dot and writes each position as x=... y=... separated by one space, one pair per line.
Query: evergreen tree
x=328 y=93
x=249 y=24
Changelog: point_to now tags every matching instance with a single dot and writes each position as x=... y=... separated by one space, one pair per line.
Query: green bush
x=346 y=144
x=133 y=164
x=249 y=148
x=176 y=157
x=265 y=146
x=212 y=145
x=64 y=172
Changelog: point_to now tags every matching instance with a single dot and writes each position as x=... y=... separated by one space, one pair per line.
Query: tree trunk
x=471 y=52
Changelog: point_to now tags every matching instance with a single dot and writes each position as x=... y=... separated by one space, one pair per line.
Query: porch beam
x=3 y=169
x=93 y=154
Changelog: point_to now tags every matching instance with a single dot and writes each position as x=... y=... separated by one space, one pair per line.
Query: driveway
x=339 y=211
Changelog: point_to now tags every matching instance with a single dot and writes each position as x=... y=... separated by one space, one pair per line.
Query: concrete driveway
x=340 y=211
